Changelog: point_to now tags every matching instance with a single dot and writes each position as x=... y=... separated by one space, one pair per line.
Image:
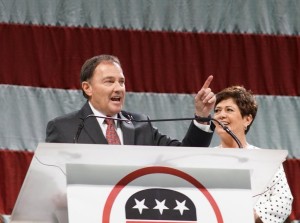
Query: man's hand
x=205 y=99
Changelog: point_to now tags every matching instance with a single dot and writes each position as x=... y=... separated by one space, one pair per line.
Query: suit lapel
x=91 y=126
x=128 y=132
x=94 y=132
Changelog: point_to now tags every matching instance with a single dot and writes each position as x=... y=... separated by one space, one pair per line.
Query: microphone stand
x=131 y=119
x=197 y=118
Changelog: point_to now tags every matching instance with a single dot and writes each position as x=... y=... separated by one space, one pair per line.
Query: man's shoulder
x=75 y=115
x=63 y=128
x=68 y=116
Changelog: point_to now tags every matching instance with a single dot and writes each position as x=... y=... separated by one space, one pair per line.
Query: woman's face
x=228 y=113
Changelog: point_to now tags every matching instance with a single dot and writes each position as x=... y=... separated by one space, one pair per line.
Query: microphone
x=130 y=118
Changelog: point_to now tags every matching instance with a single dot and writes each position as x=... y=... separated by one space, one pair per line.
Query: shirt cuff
x=205 y=128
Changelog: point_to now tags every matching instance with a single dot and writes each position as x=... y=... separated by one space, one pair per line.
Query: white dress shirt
x=103 y=125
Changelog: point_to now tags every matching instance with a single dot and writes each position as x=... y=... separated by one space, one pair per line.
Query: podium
x=120 y=183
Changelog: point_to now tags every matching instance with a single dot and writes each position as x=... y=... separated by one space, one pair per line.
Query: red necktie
x=111 y=134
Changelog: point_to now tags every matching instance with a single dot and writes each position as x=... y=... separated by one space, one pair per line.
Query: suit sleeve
x=147 y=134
x=196 y=137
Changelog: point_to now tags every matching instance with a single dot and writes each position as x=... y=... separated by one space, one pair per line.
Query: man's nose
x=118 y=86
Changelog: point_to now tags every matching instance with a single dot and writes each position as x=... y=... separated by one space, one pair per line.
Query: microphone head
x=128 y=116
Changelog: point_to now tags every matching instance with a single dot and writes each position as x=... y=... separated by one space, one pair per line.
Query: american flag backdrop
x=167 y=50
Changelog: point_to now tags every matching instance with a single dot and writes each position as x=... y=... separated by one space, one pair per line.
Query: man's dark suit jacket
x=63 y=130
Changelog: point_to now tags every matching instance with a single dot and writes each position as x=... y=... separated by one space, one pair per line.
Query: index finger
x=207 y=82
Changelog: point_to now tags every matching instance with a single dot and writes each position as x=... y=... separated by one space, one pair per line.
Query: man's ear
x=87 y=88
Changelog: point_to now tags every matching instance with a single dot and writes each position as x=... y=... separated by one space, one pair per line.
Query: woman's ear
x=248 y=120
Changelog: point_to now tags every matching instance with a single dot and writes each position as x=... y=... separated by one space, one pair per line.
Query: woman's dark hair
x=90 y=65
x=244 y=99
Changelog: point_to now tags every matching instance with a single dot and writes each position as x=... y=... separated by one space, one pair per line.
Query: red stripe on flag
x=163 y=62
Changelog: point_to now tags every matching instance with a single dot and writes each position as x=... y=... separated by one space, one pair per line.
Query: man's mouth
x=116 y=98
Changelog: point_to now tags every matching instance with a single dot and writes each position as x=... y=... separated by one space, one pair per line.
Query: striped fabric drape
x=167 y=49
x=13 y=168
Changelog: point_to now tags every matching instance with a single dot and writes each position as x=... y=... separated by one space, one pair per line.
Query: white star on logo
x=140 y=205
x=160 y=206
x=181 y=206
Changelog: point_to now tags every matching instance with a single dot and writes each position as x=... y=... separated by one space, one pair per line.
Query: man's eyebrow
x=108 y=77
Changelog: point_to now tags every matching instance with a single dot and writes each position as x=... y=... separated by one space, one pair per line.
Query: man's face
x=106 y=88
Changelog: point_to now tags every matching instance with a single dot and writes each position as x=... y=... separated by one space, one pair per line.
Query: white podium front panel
x=157 y=193
x=43 y=195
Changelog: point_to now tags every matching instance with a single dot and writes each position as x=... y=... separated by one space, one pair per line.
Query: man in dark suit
x=103 y=84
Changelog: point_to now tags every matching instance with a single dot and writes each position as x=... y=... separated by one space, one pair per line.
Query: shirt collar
x=98 y=113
